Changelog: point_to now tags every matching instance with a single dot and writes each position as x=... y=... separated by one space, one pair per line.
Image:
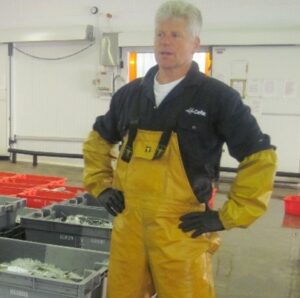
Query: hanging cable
x=57 y=58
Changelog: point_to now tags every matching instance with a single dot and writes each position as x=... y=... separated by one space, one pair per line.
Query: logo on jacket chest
x=194 y=111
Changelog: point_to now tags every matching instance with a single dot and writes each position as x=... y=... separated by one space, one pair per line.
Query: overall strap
x=133 y=124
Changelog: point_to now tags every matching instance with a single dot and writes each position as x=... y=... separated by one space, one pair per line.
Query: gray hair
x=183 y=10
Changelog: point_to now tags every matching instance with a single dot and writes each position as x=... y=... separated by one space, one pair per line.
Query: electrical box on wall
x=109 y=49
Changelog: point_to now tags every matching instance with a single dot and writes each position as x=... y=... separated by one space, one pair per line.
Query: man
x=172 y=125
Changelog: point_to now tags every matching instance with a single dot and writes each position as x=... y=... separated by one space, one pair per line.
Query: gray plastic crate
x=83 y=199
x=43 y=226
x=87 y=263
x=23 y=212
x=87 y=200
x=8 y=211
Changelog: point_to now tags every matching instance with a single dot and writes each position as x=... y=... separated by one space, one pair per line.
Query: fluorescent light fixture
x=80 y=32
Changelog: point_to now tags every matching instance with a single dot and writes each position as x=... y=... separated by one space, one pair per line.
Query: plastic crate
x=87 y=263
x=20 y=185
x=72 y=190
x=45 y=226
x=42 y=197
x=291 y=221
x=16 y=232
x=24 y=211
x=8 y=211
x=4 y=175
x=292 y=204
x=11 y=190
x=35 y=180
x=84 y=199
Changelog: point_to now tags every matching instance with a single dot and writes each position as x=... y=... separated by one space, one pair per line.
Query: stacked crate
x=39 y=223
x=39 y=191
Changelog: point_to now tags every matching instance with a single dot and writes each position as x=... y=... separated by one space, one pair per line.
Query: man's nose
x=166 y=39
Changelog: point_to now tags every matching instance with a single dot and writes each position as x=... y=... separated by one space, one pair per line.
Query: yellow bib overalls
x=147 y=245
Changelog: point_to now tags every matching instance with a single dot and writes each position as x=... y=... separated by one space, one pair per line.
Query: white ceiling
x=137 y=15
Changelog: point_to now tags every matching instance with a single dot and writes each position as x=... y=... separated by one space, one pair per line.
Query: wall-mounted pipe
x=10 y=95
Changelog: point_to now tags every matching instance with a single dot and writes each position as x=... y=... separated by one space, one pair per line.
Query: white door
x=4 y=92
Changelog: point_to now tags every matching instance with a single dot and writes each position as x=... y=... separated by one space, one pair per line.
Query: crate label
x=96 y=241
x=19 y=293
x=66 y=237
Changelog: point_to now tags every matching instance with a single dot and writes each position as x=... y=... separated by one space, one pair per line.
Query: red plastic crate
x=292 y=204
x=11 y=191
x=41 y=197
x=4 y=175
x=35 y=180
x=73 y=189
x=291 y=221
x=21 y=185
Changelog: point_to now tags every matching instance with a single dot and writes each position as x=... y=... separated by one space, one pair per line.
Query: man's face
x=174 y=46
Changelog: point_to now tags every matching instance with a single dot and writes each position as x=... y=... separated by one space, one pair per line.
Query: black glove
x=201 y=222
x=112 y=200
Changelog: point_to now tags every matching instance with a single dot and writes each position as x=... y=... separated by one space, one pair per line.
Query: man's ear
x=197 y=43
x=196 y=46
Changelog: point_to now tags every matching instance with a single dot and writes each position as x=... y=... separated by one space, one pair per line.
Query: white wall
x=272 y=90
x=58 y=99
x=55 y=99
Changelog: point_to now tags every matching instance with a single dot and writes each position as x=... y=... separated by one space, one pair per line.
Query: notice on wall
x=270 y=88
x=254 y=88
x=239 y=86
x=290 y=89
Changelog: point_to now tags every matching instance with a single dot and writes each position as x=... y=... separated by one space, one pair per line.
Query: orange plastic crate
x=41 y=197
x=292 y=204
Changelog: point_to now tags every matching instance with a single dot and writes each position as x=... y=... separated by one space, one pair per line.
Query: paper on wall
x=239 y=86
x=254 y=88
x=270 y=88
x=290 y=89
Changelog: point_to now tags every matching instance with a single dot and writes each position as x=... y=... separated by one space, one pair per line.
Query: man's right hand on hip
x=112 y=200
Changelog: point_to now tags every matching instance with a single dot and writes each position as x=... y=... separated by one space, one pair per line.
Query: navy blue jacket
x=216 y=116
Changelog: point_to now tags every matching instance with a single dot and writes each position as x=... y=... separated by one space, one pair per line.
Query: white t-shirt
x=162 y=90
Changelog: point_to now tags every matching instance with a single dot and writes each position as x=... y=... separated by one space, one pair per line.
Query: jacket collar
x=193 y=78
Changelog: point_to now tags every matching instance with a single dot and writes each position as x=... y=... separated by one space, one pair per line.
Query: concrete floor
x=262 y=261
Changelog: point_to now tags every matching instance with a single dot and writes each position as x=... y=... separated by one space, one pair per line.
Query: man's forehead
x=176 y=23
